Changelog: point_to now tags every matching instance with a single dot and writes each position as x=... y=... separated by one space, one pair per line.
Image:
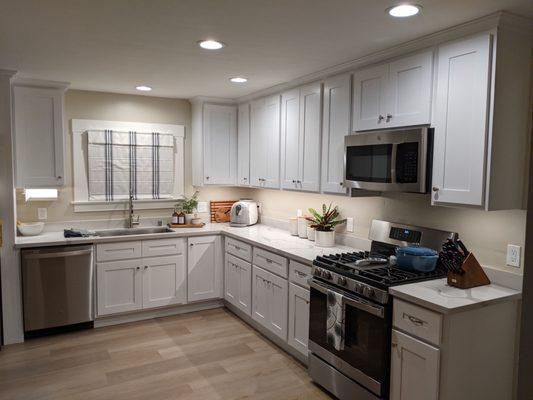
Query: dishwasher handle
x=58 y=254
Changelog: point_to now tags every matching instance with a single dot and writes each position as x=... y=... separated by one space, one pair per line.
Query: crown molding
x=29 y=82
x=215 y=100
x=483 y=24
x=9 y=73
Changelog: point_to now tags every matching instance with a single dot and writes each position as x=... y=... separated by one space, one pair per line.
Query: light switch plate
x=42 y=213
x=299 y=213
x=513 y=255
x=349 y=224
x=202 y=207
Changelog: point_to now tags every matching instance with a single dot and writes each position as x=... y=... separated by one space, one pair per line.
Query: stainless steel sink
x=133 y=231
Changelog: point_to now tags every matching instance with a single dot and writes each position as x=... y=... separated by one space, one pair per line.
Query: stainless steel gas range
x=350 y=320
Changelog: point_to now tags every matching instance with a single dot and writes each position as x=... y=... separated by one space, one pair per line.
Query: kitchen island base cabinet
x=204 y=268
x=269 y=301
x=414 y=369
x=238 y=283
x=298 y=318
x=164 y=281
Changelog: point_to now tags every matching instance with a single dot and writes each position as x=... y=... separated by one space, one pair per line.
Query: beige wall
x=486 y=233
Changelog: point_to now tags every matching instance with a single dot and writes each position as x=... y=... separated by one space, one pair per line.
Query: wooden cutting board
x=220 y=210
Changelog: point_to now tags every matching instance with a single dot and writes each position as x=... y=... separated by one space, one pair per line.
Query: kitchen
x=333 y=132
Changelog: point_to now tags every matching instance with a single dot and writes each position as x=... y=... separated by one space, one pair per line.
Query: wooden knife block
x=472 y=276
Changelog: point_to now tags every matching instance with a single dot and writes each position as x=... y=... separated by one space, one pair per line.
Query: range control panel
x=405 y=235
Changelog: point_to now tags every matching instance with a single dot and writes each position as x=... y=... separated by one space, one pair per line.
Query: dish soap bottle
x=181 y=218
x=175 y=219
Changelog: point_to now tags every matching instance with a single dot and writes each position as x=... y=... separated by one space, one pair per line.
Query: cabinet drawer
x=163 y=247
x=118 y=251
x=299 y=273
x=239 y=249
x=271 y=262
x=417 y=321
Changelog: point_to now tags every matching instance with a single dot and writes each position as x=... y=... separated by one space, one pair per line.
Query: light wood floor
x=204 y=355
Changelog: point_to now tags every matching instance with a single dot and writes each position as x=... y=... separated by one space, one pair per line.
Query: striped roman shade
x=122 y=161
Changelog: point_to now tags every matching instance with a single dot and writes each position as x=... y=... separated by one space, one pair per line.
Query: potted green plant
x=324 y=224
x=188 y=206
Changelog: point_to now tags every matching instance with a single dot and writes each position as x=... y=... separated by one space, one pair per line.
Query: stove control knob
x=369 y=292
x=318 y=272
x=341 y=280
x=359 y=288
x=326 y=274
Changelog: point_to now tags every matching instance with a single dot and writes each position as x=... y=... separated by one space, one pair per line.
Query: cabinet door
x=414 y=369
x=119 y=286
x=164 y=281
x=238 y=283
x=260 y=296
x=39 y=142
x=461 y=118
x=204 y=268
x=310 y=136
x=220 y=144
x=243 y=145
x=336 y=125
x=298 y=318
x=409 y=98
x=370 y=98
x=272 y=134
x=258 y=143
x=290 y=139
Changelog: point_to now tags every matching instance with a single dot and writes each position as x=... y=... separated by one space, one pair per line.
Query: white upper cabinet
x=204 y=268
x=300 y=138
x=336 y=125
x=265 y=142
x=243 y=145
x=220 y=144
x=461 y=121
x=39 y=138
x=394 y=94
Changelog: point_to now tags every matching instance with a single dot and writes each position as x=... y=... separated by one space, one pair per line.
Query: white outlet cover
x=202 y=206
x=349 y=224
x=42 y=213
x=299 y=213
x=513 y=255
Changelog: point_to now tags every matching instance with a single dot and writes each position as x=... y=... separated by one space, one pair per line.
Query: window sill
x=122 y=205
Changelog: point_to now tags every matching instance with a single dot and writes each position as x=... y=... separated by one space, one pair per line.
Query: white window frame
x=80 y=127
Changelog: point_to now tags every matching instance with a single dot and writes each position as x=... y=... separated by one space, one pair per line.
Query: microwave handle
x=351 y=301
x=394 y=153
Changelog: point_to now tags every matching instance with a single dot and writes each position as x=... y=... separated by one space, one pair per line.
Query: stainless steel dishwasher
x=58 y=287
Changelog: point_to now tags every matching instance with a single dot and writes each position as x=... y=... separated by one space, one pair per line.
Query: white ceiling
x=115 y=45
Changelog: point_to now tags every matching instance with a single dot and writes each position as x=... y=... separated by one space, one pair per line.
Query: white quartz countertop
x=273 y=239
x=439 y=296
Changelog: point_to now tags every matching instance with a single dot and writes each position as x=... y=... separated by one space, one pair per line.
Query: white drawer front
x=163 y=247
x=299 y=273
x=239 y=249
x=271 y=262
x=118 y=251
x=417 y=321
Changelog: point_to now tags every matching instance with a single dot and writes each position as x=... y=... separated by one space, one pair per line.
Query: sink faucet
x=131 y=218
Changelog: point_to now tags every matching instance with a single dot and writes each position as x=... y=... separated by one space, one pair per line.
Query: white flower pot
x=325 y=239
x=311 y=233
x=188 y=218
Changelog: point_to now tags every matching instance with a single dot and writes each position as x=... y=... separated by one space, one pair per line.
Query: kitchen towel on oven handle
x=335 y=322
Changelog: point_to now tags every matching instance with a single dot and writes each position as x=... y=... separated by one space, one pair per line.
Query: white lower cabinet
x=204 y=266
x=238 y=283
x=269 y=301
x=164 y=281
x=414 y=369
x=298 y=318
x=119 y=286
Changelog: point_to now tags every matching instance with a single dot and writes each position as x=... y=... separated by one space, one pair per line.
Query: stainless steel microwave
x=396 y=160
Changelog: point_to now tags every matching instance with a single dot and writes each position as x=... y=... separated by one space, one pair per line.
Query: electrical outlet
x=42 y=213
x=299 y=213
x=260 y=208
x=202 y=206
x=513 y=255
x=349 y=224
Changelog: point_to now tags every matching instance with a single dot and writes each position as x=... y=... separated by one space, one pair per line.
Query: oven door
x=394 y=160
x=365 y=356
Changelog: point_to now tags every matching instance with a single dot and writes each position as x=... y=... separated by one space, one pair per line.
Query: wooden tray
x=187 y=225
x=222 y=207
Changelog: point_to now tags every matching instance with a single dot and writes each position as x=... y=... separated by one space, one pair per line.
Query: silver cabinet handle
x=191 y=244
x=341 y=183
x=414 y=320
x=300 y=274
x=59 y=177
x=380 y=118
x=207 y=177
x=389 y=117
x=138 y=268
x=146 y=267
x=435 y=188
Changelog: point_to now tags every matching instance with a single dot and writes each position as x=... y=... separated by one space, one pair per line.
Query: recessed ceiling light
x=404 y=10
x=143 y=88
x=238 y=79
x=210 y=44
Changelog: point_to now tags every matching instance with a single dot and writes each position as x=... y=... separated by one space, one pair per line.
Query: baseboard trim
x=267 y=334
x=157 y=313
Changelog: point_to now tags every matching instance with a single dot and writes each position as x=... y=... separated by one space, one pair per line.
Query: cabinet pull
x=380 y=118
x=435 y=188
x=300 y=274
x=414 y=320
x=138 y=268
x=146 y=267
x=60 y=177
x=389 y=117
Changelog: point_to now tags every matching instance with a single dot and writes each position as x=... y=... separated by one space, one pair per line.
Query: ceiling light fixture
x=143 y=88
x=210 y=44
x=404 y=10
x=238 y=79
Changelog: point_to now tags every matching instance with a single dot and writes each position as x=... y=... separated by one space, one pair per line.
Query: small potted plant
x=324 y=225
x=188 y=206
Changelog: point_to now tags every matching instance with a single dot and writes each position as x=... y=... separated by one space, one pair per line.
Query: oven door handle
x=351 y=301
x=394 y=154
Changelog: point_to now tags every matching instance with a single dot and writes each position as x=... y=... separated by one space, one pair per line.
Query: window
x=112 y=159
